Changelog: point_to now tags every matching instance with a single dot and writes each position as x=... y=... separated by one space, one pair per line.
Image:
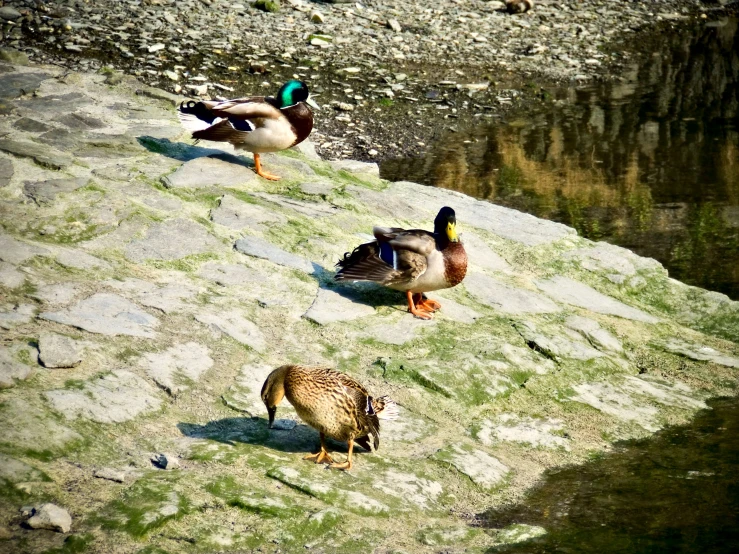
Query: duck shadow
x=255 y=431
x=185 y=152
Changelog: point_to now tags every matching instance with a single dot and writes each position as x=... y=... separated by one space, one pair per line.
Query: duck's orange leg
x=412 y=307
x=425 y=304
x=346 y=466
x=260 y=172
x=322 y=456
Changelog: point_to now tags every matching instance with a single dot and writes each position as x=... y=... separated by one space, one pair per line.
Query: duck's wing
x=397 y=256
x=228 y=120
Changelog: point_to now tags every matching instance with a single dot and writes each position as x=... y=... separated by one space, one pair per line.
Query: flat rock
x=12 y=368
x=480 y=467
x=80 y=121
x=663 y=392
x=400 y=332
x=604 y=257
x=304 y=207
x=59 y=351
x=107 y=314
x=591 y=330
x=16 y=84
x=245 y=394
x=317 y=188
x=229 y=274
x=575 y=293
x=330 y=307
x=613 y=401
x=10 y=277
x=308 y=149
x=699 y=352
x=206 y=172
x=16 y=471
x=354 y=166
x=110 y=474
x=41 y=154
x=112 y=398
x=6 y=172
x=57 y=293
x=278 y=163
x=260 y=248
x=480 y=254
x=178 y=367
x=169 y=298
x=29 y=428
x=78 y=259
x=44 y=192
x=527 y=430
x=236 y=214
x=236 y=326
x=30 y=125
x=527 y=359
x=52 y=517
x=506 y=298
x=556 y=346
x=16 y=252
x=456 y=311
x=16 y=315
x=171 y=240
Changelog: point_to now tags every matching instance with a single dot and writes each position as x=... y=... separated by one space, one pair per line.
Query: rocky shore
x=390 y=76
x=148 y=287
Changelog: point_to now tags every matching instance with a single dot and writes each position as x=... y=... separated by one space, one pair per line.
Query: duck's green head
x=291 y=93
x=445 y=224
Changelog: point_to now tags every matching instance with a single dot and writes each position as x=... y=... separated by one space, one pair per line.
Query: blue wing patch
x=386 y=254
x=241 y=124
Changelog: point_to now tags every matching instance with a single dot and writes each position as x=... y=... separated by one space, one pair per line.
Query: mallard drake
x=256 y=124
x=332 y=403
x=414 y=261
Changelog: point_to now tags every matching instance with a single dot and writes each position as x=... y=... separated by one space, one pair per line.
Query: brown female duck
x=414 y=261
x=332 y=403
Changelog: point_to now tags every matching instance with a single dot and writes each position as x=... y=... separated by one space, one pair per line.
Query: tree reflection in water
x=650 y=163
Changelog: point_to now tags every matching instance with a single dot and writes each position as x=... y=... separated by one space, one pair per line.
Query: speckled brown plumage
x=332 y=403
x=413 y=261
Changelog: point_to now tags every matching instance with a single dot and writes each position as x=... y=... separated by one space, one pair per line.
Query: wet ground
x=675 y=492
x=650 y=163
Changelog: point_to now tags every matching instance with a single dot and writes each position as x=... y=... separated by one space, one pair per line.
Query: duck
x=518 y=6
x=257 y=124
x=333 y=404
x=412 y=261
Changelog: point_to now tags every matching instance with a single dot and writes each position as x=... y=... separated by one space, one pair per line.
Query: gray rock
x=107 y=314
x=10 y=277
x=16 y=57
x=229 y=274
x=206 y=172
x=575 y=293
x=59 y=351
x=483 y=469
x=50 y=516
x=9 y=13
x=42 y=155
x=512 y=428
x=112 y=398
x=696 y=351
x=17 y=315
x=6 y=172
x=283 y=163
x=78 y=259
x=244 y=395
x=110 y=474
x=59 y=293
x=354 y=166
x=506 y=298
x=330 y=307
x=79 y=121
x=317 y=189
x=171 y=240
x=613 y=401
x=17 y=252
x=12 y=369
x=44 y=192
x=31 y=125
x=16 y=471
x=236 y=326
x=236 y=214
x=480 y=254
x=400 y=332
x=592 y=330
x=260 y=248
x=604 y=257
x=29 y=428
x=311 y=209
x=555 y=346
x=308 y=149
x=178 y=367
x=455 y=311
x=169 y=298
x=165 y=461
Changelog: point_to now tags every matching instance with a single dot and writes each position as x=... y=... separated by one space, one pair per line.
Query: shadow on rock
x=186 y=152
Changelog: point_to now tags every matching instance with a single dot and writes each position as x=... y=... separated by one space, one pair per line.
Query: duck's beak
x=312 y=103
x=271 y=412
x=451 y=232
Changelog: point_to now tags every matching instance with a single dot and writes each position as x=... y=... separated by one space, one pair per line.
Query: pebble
x=165 y=461
x=50 y=516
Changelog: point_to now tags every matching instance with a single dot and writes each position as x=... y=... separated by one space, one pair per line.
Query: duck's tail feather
x=385 y=408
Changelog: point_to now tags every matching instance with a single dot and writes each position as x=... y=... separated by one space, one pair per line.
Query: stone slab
x=696 y=351
x=6 y=172
x=229 y=274
x=260 y=248
x=10 y=277
x=207 y=172
x=536 y=432
x=355 y=166
x=236 y=326
x=77 y=259
x=330 y=307
x=28 y=427
x=12 y=316
x=112 y=398
x=507 y=298
x=591 y=330
x=171 y=240
x=575 y=293
x=16 y=84
x=482 y=255
x=12 y=369
x=107 y=314
x=399 y=332
x=482 y=468
x=41 y=154
x=57 y=351
x=245 y=394
x=16 y=251
x=237 y=214
x=556 y=346
x=178 y=367
x=45 y=192
x=308 y=208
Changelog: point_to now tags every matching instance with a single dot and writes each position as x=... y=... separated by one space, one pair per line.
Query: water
x=675 y=492
x=650 y=163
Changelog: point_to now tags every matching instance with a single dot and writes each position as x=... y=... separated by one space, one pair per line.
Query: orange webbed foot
x=428 y=305
x=262 y=173
x=345 y=466
x=321 y=457
x=416 y=309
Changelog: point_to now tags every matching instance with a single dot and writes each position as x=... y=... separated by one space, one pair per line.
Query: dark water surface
x=650 y=163
x=675 y=492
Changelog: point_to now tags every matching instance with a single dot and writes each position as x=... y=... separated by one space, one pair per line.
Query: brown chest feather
x=455 y=263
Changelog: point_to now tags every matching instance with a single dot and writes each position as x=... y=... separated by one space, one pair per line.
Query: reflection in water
x=650 y=163
x=677 y=491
